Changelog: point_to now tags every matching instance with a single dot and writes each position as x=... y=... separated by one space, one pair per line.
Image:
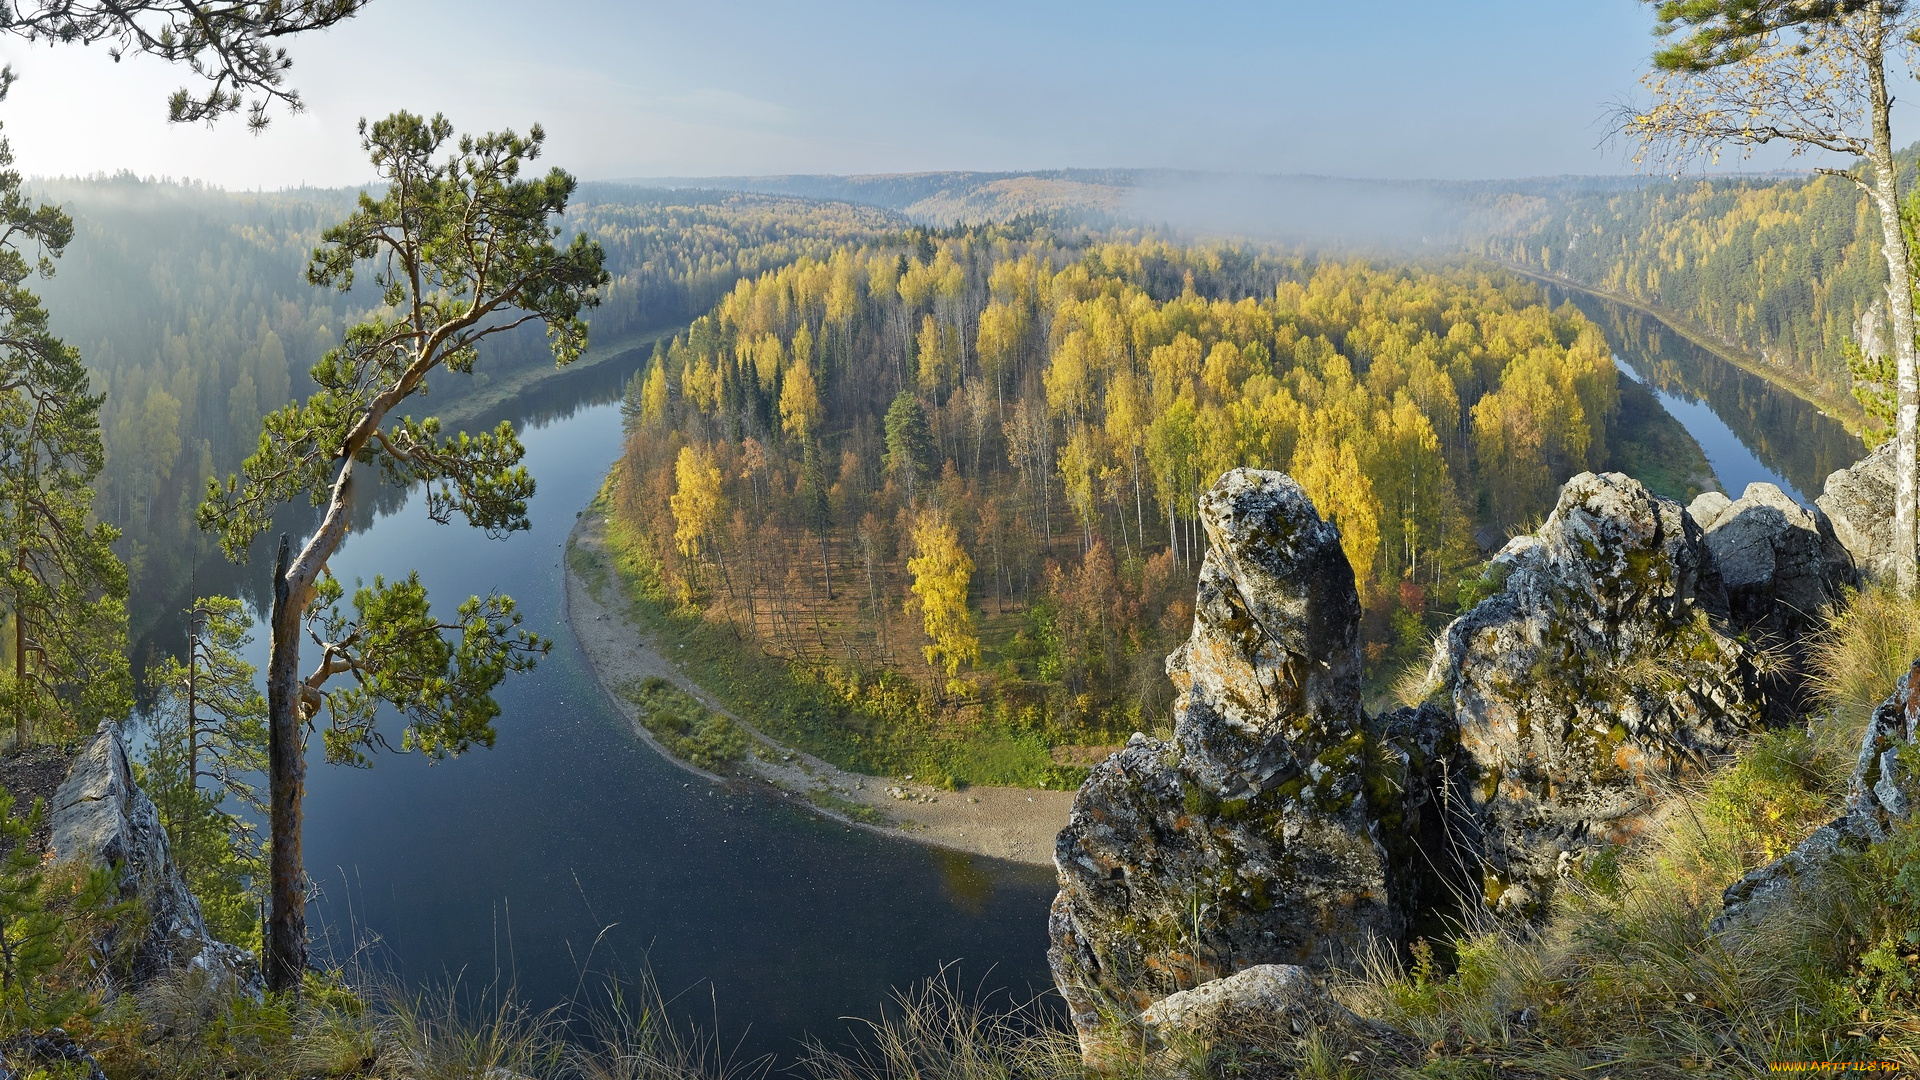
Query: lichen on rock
x=1603 y=671
x=1246 y=839
x=1261 y=1008
x=1858 y=500
x=1269 y=680
x=1781 y=563
x=1281 y=826
x=31 y=1055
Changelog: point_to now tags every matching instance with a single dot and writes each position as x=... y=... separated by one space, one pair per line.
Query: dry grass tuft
x=1871 y=639
x=441 y=1035
x=634 y=1037
x=936 y=1032
x=1626 y=975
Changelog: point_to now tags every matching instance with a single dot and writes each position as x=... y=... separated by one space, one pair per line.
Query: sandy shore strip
x=1018 y=824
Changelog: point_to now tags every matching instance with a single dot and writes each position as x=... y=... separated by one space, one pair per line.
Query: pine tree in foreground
x=462 y=249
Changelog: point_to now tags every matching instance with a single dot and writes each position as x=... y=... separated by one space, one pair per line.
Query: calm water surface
x=569 y=847
x=1750 y=429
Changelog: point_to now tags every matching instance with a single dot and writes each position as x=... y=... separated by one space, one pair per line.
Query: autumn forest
x=953 y=478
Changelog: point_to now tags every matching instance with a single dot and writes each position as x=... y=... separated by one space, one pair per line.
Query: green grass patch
x=688 y=729
x=1647 y=443
x=591 y=568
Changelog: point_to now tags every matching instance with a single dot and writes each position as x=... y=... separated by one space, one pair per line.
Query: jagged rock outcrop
x=1280 y=826
x=1599 y=673
x=1269 y=680
x=1883 y=791
x=1871 y=331
x=101 y=817
x=1781 y=563
x=1246 y=839
x=1858 y=500
x=1263 y=1008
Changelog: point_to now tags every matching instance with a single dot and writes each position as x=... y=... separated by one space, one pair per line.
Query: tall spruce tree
x=206 y=741
x=63 y=589
x=462 y=249
x=909 y=441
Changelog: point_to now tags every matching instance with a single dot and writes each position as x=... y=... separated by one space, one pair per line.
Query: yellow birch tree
x=697 y=502
x=942 y=570
x=799 y=400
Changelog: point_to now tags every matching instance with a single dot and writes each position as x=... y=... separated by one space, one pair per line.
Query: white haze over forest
x=1393 y=90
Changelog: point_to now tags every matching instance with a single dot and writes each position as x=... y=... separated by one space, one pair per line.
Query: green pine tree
x=207 y=739
x=909 y=441
x=462 y=249
x=63 y=588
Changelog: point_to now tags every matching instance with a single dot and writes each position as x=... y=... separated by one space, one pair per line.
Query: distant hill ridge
x=1147 y=196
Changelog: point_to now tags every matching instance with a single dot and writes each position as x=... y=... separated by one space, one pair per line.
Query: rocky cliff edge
x=1628 y=644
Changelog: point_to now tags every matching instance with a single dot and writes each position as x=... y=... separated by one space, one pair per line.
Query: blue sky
x=1463 y=89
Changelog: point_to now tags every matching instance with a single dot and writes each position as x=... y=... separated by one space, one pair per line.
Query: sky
x=1468 y=89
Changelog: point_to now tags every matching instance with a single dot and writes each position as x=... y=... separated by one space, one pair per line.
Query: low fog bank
x=897 y=191
x=1340 y=212
x=1300 y=209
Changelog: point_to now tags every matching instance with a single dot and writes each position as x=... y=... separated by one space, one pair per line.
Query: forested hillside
x=211 y=323
x=1318 y=211
x=1780 y=268
x=956 y=481
x=948 y=198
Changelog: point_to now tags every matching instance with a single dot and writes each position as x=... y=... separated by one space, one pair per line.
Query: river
x=1750 y=429
x=569 y=851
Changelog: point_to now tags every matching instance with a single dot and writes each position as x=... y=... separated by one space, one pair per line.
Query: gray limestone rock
x=1263 y=1006
x=101 y=817
x=1859 y=502
x=1599 y=673
x=1707 y=508
x=1781 y=563
x=29 y=1055
x=1270 y=677
x=1883 y=790
x=1871 y=330
x=1246 y=839
x=1279 y=827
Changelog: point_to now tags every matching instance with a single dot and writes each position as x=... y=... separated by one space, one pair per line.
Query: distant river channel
x=569 y=851
x=1750 y=429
